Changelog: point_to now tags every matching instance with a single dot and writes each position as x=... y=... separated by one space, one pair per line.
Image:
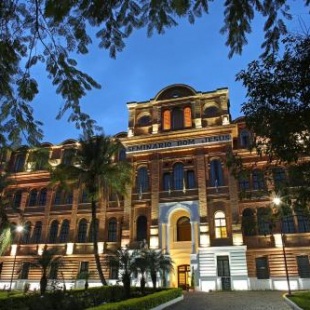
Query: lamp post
x=277 y=202
x=18 y=229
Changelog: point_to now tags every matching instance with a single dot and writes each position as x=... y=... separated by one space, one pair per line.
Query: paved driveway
x=245 y=300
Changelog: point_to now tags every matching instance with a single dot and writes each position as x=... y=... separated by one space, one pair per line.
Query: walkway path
x=241 y=300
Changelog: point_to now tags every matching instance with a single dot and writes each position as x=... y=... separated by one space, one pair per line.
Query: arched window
x=112 y=230
x=17 y=199
x=216 y=173
x=258 y=179
x=91 y=231
x=245 y=138
x=37 y=232
x=122 y=154
x=220 y=225
x=68 y=156
x=178 y=176
x=69 y=197
x=187 y=117
x=248 y=222
x=167 y=181
x=25 y=236
x=82 y=231
x=142 y=180
x=263 y=220
x=144 y=120
x=58 y=196
x=85 y=197
x=33 y=198
x=211 y=112
x=141 y=228
x=166 y=120
x=64 y=231
x=42 y=197
x=177 y=119
x=53 y=232
x=279 y=177
x=190 y=179
x=183 y=229
x=19 y=163
x=303 y=222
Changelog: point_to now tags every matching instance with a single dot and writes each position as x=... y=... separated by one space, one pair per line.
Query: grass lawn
x=302 y=299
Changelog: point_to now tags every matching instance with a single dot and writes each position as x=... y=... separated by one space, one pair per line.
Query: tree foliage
x=278 y=106
x=277 y=111
x=50 y=33
x=94 y=167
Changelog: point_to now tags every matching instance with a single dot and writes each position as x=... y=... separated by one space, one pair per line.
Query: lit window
x=167 y=120
x=220 y=225
x=187 y=117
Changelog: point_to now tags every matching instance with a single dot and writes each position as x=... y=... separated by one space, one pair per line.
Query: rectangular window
x=114 y=273
x=24 y=271
x=53 y=271
x=303 y=266
x=262 y=268
x=84 y=267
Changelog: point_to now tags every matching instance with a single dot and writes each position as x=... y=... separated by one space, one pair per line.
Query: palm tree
x=141 y=265
x=158 y=262
x=124 y=260
x=95 y=167
x=48 y=260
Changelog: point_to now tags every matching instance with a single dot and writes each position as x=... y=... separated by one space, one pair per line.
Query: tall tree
x=278 y=110
x=96 y=169
x=48 y=33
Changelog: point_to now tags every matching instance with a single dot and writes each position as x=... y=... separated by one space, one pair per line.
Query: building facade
x=183 y=200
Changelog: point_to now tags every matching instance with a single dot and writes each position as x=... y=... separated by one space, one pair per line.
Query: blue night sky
x=195 y=55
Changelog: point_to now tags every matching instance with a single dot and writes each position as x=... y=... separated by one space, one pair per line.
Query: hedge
x=146 y=302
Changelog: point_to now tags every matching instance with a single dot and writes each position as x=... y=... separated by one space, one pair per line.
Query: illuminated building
x=183 y=201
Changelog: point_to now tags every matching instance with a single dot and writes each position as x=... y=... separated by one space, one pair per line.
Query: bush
x=146 y=302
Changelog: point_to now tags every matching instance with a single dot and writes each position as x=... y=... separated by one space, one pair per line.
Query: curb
x=169 y=303
x=291 y=303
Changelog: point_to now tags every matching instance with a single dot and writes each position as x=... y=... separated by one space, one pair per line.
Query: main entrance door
x=223 y=271
x=183 y=276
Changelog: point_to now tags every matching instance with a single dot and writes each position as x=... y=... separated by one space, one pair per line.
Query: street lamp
x=18 y=229
x=277 y=202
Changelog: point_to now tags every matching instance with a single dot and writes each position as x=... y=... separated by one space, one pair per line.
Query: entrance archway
x=183 y=276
